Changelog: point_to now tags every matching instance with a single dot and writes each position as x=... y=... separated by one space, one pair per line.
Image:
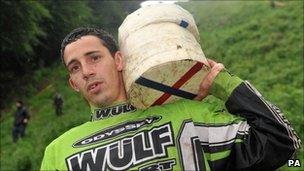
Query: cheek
x=114 y=76
x=108 y=70
x=79 y=83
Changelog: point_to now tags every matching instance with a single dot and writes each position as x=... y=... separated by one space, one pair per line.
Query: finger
x=211 y=62
x=218 y=67
x=208 y=80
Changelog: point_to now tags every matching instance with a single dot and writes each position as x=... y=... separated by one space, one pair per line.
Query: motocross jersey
x=247 y=133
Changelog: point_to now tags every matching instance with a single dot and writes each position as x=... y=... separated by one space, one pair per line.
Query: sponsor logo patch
x=112 y=111
x=115 y=131
x=127 y=152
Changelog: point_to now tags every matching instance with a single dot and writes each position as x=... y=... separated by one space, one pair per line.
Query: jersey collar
x=103 y=113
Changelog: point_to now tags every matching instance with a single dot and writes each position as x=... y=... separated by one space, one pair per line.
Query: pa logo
x=294 y=163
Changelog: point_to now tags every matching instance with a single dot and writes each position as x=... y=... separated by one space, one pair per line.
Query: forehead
x=82 y=46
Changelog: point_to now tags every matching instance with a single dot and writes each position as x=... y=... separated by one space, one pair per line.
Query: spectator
x=21 y=119
x=58 y=102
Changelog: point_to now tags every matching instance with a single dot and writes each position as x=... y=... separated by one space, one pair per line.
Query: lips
x=94 y=87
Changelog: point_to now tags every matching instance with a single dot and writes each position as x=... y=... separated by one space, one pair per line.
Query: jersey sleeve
x=48 y=160
x=270 y=140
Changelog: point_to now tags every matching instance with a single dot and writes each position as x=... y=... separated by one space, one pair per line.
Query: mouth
x=94 y=87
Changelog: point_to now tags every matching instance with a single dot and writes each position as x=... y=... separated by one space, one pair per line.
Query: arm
x=270 y=140
x=26 y=115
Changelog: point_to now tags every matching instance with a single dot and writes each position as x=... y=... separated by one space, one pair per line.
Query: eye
x=74 y=68
x=95 y=58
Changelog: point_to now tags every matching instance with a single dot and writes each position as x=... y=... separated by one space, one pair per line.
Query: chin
x=101 y=101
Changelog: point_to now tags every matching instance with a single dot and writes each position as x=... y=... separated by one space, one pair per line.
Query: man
x=21 y=117
x=185 y=135
x=58 y=102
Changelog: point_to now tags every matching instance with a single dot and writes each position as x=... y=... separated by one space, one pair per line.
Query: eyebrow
x=71 y=62
x=91 y=52
x=86 y=54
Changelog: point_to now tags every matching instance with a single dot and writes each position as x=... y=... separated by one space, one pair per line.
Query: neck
x=112 y=110
x=120 y=98
x=94 y=107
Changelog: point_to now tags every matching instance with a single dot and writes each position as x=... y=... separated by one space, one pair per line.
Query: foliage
x=32 y=31
x=66 y=16
x=20 y=27
x=20 y=32
x=31 y=34
x=110 y=20
x=44 y=125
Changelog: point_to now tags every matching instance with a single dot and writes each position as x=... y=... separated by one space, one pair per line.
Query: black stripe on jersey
x=217 y=124
x=216 y=149
x=219 y=147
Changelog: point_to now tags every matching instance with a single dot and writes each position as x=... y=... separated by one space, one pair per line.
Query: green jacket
x=245 y=134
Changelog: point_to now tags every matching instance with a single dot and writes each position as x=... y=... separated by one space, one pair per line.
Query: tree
x=20 y=32
x=66 y=16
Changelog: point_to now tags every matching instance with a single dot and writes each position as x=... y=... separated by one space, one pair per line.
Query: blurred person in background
x=58 y=102
x=21 y=118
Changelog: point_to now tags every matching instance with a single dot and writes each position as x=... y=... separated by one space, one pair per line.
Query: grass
x=44 y=125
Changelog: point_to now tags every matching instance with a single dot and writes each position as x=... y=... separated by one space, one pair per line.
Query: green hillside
x=255 y=41
x=44 y=125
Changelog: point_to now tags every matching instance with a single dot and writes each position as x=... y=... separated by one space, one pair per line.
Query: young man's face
x=18 y=104
x=94 y=72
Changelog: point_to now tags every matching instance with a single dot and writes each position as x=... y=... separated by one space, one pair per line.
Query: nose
x=87 y=71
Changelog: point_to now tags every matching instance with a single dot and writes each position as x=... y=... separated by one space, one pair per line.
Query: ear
x=118 y=61
x=73 y=85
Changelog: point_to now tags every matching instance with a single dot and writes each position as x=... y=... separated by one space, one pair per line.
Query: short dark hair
x=106 y=39
x=20 y=102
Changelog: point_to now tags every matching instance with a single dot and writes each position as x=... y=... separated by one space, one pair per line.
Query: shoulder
x=209 y=102
x=184 y=105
